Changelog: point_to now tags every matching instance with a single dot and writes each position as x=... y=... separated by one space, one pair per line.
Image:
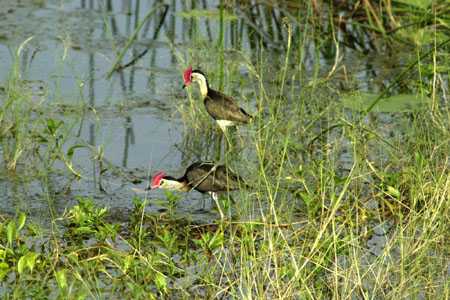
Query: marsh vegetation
x=347 y=157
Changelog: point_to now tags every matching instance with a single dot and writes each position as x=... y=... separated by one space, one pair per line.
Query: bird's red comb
x=187 y=75
x=156 y=179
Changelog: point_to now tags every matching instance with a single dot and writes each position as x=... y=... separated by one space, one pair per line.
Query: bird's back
x=222 y=107
x=207 y=177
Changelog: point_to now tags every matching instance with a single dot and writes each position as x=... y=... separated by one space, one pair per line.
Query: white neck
x=201 y=80
x=223 y=124
x=174 y=185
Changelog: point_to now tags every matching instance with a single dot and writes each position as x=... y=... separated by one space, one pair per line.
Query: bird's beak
x=186 y=83
x=153 y=187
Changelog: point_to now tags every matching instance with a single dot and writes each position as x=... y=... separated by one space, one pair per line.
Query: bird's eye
x=162 y=182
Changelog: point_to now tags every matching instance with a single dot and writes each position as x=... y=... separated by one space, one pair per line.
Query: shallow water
x=133 y=115
x=69 y=55
x=138 y=118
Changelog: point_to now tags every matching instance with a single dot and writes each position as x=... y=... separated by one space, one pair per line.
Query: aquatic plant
x=347 y=159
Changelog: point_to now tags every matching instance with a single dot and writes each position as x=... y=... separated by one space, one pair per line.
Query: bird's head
x=158 y=180
x=190 y=76
x=187 y=76
x=161 y=181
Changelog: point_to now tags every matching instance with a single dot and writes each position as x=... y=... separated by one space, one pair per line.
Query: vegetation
x=350 y=179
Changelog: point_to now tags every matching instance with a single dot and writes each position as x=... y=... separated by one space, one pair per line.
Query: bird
x=220 y=107
x=202 y=176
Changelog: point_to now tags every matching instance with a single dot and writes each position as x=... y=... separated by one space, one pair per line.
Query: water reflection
x=134 y=114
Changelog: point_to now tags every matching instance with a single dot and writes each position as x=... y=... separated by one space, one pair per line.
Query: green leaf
x=3 y=265
x=27 y=260
x=22 y=46
x=21 y=264
x=398 y=103
x=11 y=232
x=160 y=281
x=127 y=263
x=73 y=258
x=61 y=279
x=31 y=260
x=306 y=198
x=53 y=125
x=392 y=191
x=84 y=230
x=216 y=241
x=417 y=3
x=72 y=149
x=71 y=168
x=171 y=197
x=34 y=229
x=212 y=14
x=4 y=270
x=22 y=218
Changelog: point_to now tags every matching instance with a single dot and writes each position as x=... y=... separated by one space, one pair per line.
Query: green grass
x=345 y=205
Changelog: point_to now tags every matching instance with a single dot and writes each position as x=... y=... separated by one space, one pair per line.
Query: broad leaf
x=61 y=279
x=212 y=14
x=397 y=103
x=22 y=218
x=417 y=3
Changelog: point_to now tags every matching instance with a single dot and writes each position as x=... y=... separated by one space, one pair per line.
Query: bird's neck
x=179 y=185
x=203 y=84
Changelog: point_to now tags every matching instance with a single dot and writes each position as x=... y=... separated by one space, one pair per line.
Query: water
x=133 y=117
x=72 y=49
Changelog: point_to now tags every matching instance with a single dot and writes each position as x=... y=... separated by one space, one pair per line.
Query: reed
x=343 y=204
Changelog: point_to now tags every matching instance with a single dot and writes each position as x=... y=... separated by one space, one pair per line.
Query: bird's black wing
x=228 y=179
x=197 y=173
x=209 y=177
x=222 y=107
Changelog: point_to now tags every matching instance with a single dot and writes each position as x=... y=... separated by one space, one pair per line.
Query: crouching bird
x=222 y=108
x=204 y=177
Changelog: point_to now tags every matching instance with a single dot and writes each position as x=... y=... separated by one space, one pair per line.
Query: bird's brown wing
x=197 y=175
x=208 y=177
x=222 y=107
x=227 y=179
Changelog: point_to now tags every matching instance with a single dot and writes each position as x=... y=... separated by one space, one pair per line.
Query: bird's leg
x=241 y=140
x=222 y=126
x=224 y=130
x=203 y=204
x=215 y=197
x=231 y=199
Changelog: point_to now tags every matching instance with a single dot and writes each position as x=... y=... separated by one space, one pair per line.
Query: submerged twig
x=325 y=131
x=155 y=35
x=266 y=38
x=132 y=39
x=400 y=76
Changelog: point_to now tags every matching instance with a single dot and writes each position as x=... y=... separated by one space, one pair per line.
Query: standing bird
x=222 y=108
x=205 y=177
